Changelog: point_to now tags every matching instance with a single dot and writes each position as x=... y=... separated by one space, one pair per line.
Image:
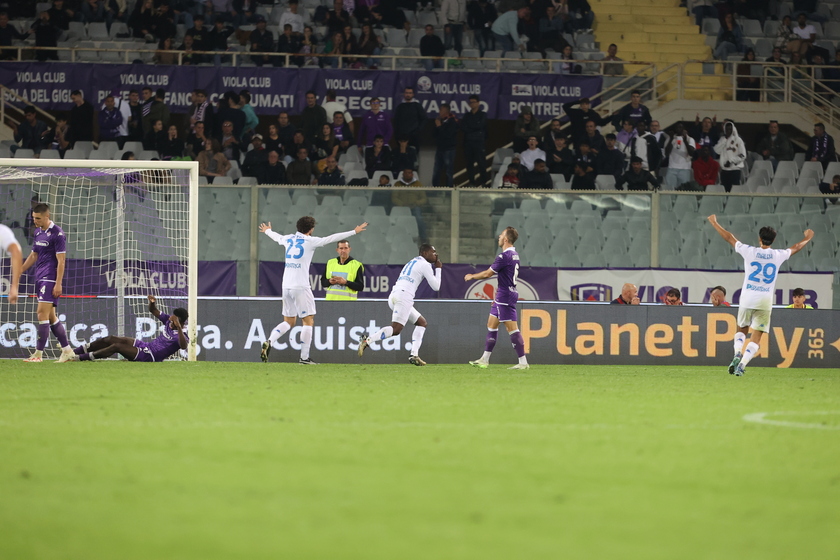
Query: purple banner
x=534 y=283
x=276 y=89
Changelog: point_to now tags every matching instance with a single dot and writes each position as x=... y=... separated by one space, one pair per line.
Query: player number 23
x=768 y=271
x=298 y=244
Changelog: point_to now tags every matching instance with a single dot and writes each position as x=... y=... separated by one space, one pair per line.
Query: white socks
x=486 y=356
x=739 y=342
x=279 y=331
x=751 y=350
x=383 y=333
x=306 y=341
x=417 y=340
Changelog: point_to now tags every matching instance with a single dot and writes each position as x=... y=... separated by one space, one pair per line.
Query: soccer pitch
x=239 y=460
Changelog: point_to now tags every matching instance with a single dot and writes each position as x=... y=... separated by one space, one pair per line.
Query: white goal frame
x=192 y=253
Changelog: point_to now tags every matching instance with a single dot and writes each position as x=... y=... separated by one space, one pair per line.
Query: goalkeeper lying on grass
x=167 y=343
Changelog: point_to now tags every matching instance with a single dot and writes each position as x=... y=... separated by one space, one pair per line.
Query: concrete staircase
x=661 y=32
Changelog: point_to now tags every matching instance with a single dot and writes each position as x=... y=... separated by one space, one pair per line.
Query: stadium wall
x=554 y=333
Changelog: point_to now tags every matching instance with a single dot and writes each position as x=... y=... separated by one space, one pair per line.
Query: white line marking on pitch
x=761 y=418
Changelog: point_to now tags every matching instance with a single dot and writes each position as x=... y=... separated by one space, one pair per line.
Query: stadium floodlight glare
x=132 y=231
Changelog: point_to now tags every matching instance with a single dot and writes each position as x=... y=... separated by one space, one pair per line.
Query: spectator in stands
x=59 y=136
x=775 y=146
x=705 y=132
x=730 y=39
x=582 y=16
x=532 y=153
x=155 y=136
x=124 y=109
x=776 y=57
x=809 y=8
x=554 y=130
x=31 y=133
x=374 y=123
x=370 y=44
x=196 y=140
x=567 y=64
x=164 y=54
x=551 y=30
x=798 y=297
x=581 y=179
x=673 y=297
x=110 y=120
x=171 y=147
x=135 y=121
x=212 y=162
x=510 y=180
x=610 y=67
x=586 y=159
x=717 y=297
x=301 y=171
x=831 y=188
x=453 y=13
x=331 y=176
x=749 y=85
x=404 y=156
x=229 y=142
x=561 y=160
x=164 y=24
x=384 y=180
x=199 y=33
x=142 y=20
x=806 y=36
x=474 y=127
x=662 y=137
x=680 y=152
x=785 y=34
x=610 y=160
x=628 y=296
x=298 y=142
x=626 y=134
x=251 y=119
x=351 y=46
x=432 y=46
x=292 y=18
x=594 y=139
x=201 y=110
x=285 y=130
x=9 y=33
x=480 y=17
x=342 y=131
x=256 y=157
x=821 y=148
x=46 y=35
x=505 y=29
x=182 y=11
x=579 y=117
x=733 y=155
x=326 y=144
x=526 y=126
x=262 y=41
x=228 y=110
x=537 y=178
x=645 y=147
x=702 y=9
x=634 y=110
x=217 y=40
x=705 y=168
x=93 y=11
x=377 y=157
x=445 y=134
x=335 y=48
x=189 y=58
x=386 y=13
x=273 y=142
x=636 y=178
x=157 y=110
x=409 y=118
x=81 y=118
x=272 y=172
x=61 y=14
x=288 y=43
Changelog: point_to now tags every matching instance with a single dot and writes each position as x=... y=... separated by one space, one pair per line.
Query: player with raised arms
x=298 y=300
x=761 y=267
x=49 y=247
x=503 y=310
x=401 y=302
x=11 y=247
x=169 y=341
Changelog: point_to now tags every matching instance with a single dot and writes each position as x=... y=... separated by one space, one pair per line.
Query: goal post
x=132 y=231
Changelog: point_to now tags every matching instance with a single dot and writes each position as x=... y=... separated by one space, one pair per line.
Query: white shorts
x=298 y=302
x=756 y=319
x=402 y=307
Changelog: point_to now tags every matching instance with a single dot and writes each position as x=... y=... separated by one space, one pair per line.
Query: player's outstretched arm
x=360 y=228
x=728 y=237
x=809 y=235
x=266 y=229
x=182 y=340
x=153 y=306
x=479 y=275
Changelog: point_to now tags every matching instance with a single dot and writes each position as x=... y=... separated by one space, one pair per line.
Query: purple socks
x=518 y=343
x=43 y=335
x=60 y=333
x=490 y=343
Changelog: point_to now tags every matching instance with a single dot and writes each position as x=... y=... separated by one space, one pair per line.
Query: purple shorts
x=503 y=312
x=44 y=291
x=143 y=352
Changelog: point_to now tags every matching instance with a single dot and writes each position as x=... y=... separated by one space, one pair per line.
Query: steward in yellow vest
x=344 y=275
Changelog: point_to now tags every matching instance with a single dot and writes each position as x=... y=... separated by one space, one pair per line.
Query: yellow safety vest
x=347 y=271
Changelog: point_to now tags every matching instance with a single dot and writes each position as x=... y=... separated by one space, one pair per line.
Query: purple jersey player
x=49 y=246
x=172 y=339
x=506 y=268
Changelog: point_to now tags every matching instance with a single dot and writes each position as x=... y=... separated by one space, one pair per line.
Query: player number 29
x=298 y=244
x=768 y=271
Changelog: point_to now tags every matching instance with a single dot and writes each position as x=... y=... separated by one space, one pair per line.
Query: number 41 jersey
x=761 y=267
x=299 y=251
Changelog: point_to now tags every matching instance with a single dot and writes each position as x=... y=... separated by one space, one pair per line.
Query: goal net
x=131 y=230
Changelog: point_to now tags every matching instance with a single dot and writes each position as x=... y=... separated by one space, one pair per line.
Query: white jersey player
x=761 y=267
x=298 y=300
x=401 y=301
x=11 y=247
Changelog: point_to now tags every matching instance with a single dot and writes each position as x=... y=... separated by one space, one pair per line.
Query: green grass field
x=117 y=460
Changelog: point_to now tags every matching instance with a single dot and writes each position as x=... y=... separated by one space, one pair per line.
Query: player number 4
x=768 y=271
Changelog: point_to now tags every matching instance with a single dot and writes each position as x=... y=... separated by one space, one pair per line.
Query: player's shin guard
x=383 y=333
x=518 y=345
x=749 y=353
x=305 y=341
x=740 y=338
x=490 y=343
x=417 y=340
x=60 y=333
x=43 y=334
x=279 y=331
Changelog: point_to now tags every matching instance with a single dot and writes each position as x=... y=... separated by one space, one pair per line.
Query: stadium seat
x=50 y=154
x=569 y=260
x=811 y=169
x=671 y=261
x=762 y=205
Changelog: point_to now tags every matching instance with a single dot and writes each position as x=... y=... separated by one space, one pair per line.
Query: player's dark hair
x=425 y=247
x=182 y=315
x=767 y=235
x=342 y=241
x=721 y=288
x=40 y=208
x=305 y=224
x=798 y=292
x=511 y=234
x=673 y=292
